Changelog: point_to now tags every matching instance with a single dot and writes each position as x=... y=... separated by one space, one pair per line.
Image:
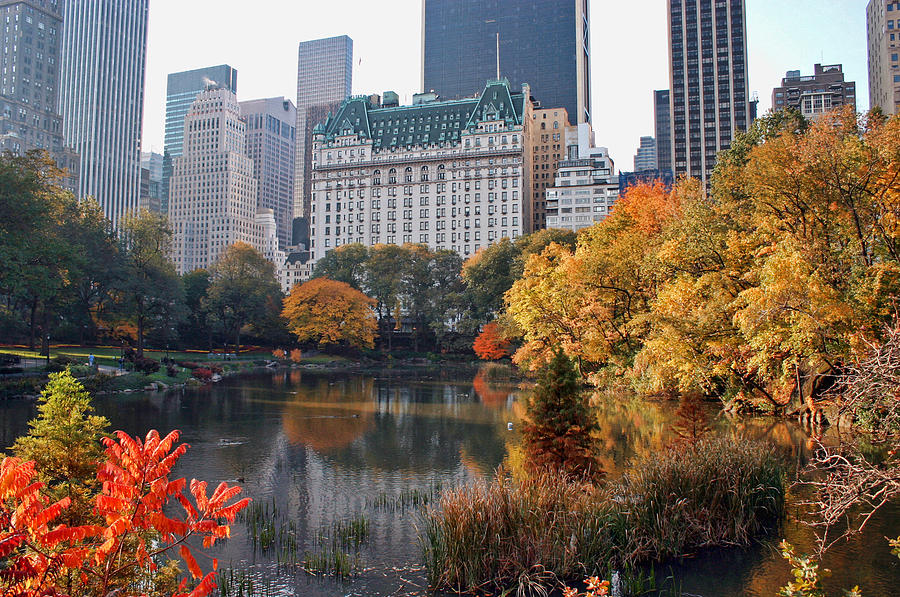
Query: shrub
x=202 y=373
x=61 y=362
x=550 y=527
x=171 y=371
x=145 y=365
x=296 y=355
x=189 y=365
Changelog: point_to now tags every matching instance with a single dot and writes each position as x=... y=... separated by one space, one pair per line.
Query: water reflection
x=326 y=447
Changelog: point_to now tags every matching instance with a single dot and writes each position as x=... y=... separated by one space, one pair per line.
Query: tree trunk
x=34 y=306
x=140 y=336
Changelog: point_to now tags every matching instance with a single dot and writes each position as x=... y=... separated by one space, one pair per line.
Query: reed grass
x=539 y=532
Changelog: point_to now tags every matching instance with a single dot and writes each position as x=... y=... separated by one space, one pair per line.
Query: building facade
x=450 y=174
x=212 y=192
x=544 y=43
x=815 y=94
x=662 y=117
x=552 y=134
x=882 y=32
x=584 y=191
x=29 y=94
x=151 y=181
x=324 y=80
x=708 y=76
x=271 y=144
x=101 y=97
x=181 y=91
x=646 y=158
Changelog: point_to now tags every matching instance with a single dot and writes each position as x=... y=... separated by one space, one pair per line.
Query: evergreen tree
x=560 y=422
x=64 y=443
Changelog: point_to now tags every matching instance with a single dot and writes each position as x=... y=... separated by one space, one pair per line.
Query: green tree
x=64 y=443
x=560 y=422
x=34 y=253
x=346 y=263
x=197 y=325
x=243 y=290
x=384 y=276
x=445 y=304
x=151 y=291
x=488 y=274
x=96 y=266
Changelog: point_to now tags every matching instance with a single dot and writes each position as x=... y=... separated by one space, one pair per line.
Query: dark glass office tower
x=542 y=42
x=663 y=118
x=708 y=73
x=324 y=80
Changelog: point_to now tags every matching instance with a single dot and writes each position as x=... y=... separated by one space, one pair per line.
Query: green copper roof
x=428 y=123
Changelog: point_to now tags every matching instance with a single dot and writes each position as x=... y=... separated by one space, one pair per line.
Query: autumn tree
x=492 y=270
x=330 y=313
x=592 y=302
x=490 y=345
x=137 y=526
x=243 y=290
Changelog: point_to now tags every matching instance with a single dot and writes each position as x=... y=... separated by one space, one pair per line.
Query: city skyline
x=628 y=62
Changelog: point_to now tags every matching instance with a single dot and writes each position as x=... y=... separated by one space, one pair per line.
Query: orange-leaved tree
x=490 y=344
x=122 y=552
x=330 y=312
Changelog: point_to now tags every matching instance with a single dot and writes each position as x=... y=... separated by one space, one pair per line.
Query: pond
x=322 y=449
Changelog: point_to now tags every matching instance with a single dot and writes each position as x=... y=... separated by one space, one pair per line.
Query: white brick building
x=450 y=174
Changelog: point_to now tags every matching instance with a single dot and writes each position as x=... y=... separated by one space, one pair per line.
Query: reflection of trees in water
x=360 y=422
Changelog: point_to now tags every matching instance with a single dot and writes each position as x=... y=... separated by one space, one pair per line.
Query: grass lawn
x=109 y=355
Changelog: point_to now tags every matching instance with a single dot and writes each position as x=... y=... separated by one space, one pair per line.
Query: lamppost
x=48 y=350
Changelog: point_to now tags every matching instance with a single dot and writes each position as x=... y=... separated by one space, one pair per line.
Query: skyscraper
x=708 y=76
x=662 y=115
x=29 y=100
x=883 y=30
x=271 y=144
x=213 y=194
x=324 y=80
x=181 y=91
x=101 y=91
x=645 y=159
x=544 y=43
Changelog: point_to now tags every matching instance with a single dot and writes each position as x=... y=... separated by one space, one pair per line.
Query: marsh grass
x=541 y=531
x=335 y=547
x=406 y=500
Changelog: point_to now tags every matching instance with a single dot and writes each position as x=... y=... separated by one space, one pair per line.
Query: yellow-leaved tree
x=330 y=313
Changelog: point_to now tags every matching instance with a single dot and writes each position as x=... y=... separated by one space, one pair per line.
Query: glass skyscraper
x=544 y=43
x=662 y=115
x=324 y=80
x=101 y=90
x=708 y=74
x=181 y=91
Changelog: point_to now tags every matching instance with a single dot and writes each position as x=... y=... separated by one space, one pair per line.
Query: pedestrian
x=91 y=360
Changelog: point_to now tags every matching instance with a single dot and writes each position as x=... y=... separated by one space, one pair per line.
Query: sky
x=629 y=51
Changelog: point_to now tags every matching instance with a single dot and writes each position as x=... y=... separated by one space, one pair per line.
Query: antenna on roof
x=498 y=55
